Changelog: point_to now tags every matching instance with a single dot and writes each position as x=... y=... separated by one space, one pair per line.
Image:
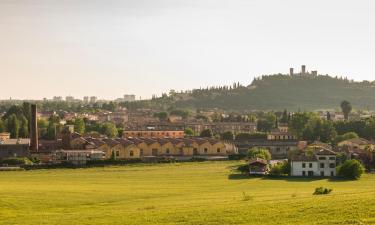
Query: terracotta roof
x=96 y=141
x=258 y=160
x=136 y=141
x=75 y=135
x=320 y=144
x=200 y=140
x=359 y=141
x=303 y=158
x=110 y=142
x=324 y=151
x=125 y=142
x=15 y=142
x=149 y=141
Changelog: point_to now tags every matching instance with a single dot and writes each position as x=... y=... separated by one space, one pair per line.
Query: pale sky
x=108 y=48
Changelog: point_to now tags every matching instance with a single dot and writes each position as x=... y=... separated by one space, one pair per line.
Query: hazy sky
x=109 y=48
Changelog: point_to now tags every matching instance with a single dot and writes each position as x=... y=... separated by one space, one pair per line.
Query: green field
x=185 y=193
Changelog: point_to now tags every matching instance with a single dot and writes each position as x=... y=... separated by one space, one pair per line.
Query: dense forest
x=271 y=92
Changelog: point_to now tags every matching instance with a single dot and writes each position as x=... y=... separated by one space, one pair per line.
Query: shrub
x=280 y=169
x=16 y=161
x=246 y=197
x=243 y=168
x=322 y=191
x=351 y=169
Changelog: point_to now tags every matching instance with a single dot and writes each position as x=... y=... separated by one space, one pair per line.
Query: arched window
x=131 y=153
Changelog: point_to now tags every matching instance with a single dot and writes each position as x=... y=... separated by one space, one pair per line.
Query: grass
x=186 y=193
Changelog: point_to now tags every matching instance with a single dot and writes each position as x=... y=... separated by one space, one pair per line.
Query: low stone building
x=14 y=148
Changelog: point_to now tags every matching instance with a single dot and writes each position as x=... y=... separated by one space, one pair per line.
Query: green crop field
x=181 y=193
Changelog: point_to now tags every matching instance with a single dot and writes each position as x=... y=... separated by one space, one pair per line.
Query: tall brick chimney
x=34 y=129
x=303 y=70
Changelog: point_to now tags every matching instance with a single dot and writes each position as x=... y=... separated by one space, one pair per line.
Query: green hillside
x=275 y=92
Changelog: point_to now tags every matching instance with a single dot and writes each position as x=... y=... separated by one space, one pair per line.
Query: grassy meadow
x=180 y=193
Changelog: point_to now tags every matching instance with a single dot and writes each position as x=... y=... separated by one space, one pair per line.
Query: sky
x=108 y=48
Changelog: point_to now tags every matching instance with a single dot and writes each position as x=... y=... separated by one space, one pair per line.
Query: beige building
x=154 y=134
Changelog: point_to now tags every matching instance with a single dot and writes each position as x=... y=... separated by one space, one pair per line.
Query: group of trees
x=16 y=121
x=309 y=126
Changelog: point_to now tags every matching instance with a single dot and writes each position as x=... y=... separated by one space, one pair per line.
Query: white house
x=321 y=163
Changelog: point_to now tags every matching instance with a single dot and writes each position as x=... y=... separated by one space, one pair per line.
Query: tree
x=284 y=117
x=351 y=169
x=161 y=115
x=280 y=169
x=297 y=123
x=228 y=136
x=13 y=126
x=42 y=127
x=259 y=153
x=189 y=132
x=24 y=127
x=2 y=126
x=110 y=130
x=79 y=126
x=266 y=123
x=345 y=136
x=346 y=108
x=206 y=133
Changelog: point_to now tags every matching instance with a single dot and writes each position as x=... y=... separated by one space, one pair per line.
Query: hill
x=274 y=92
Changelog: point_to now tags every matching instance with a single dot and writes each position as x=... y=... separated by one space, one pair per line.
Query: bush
x=16 y=161
x=243 y=168
x=351 y=169
x=280 y=169
x=322 y=191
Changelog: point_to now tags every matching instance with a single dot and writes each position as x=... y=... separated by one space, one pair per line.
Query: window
x=332 y=165
x=322 y=173
x=310 y=165
x=303 y=165
x=332 y=158
x=218 y=150
x=332 y=173
x=205 y=150
x=167 y=151
x=322 y=158
x=304 y=173
x=117 y=153
x=131 y=153
x=321 y=165
x=277 y=149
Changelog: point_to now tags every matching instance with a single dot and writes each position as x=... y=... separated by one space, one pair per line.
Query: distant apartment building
x=57 y=98
x=129 y=98
x=93 y=99
x=86 y=99
x=69 y=99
